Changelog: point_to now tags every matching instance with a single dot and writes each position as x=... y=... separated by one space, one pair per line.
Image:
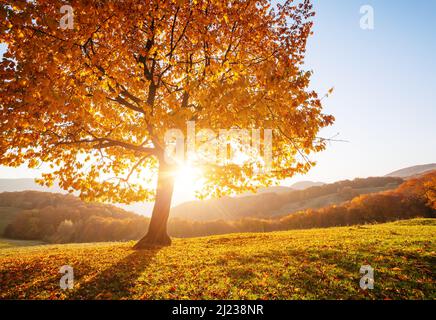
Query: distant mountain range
x=273 y=205
x=411 y=172
x=278 y=201
x=12 y=185
x=16 y=185
x=301 y=185
x=267 y=202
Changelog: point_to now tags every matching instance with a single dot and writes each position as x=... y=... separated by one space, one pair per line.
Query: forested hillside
x=53 y=217
x=61 y=218
x=276 y=204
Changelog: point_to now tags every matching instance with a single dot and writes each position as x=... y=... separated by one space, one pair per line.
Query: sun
x=189 y=178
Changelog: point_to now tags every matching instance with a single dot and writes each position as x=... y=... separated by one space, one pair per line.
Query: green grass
x=11 y=243
x=303 y=264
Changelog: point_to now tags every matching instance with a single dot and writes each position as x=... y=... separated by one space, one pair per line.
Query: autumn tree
x=431 y=192
x=92 y=103
x=422 y=187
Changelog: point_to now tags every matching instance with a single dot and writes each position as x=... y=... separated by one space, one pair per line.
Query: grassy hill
x=304 y=264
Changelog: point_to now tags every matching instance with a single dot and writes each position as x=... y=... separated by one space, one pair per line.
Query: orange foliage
x=95 y=101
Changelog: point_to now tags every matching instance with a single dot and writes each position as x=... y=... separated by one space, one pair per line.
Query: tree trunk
x=157 y=230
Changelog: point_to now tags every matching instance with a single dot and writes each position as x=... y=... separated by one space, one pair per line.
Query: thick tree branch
x=101 y=143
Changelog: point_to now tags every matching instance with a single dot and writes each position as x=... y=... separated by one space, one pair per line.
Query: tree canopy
x=129 y=70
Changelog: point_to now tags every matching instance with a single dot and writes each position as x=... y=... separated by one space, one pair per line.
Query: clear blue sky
x=385 y=87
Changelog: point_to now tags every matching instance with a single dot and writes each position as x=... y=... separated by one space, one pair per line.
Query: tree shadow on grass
x=117 y=281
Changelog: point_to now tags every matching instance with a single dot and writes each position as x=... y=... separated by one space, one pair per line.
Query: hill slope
x=273 y=205
x=26 y=184
x=305 y=264
x=301 y=185
x=56 y=217
x=412 y=171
